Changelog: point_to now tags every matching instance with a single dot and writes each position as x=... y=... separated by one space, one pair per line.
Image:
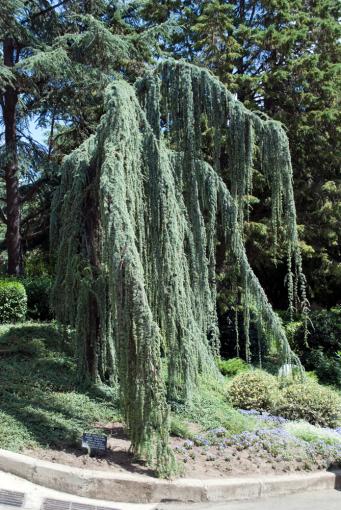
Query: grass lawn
x=40 y=401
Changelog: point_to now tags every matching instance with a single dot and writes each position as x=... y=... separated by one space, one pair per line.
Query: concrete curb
x=134 y=488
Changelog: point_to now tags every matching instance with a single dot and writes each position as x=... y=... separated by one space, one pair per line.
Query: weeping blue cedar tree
x=134 y=228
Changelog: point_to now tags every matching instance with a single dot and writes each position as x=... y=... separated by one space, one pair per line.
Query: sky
x=37 y=133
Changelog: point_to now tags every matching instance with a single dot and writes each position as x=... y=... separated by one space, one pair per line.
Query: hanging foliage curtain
x=134 y=229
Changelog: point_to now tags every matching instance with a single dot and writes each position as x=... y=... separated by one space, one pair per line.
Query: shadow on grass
x=39 y=390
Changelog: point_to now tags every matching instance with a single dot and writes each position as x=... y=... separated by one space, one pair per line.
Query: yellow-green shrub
x=254 y=389
x=232 y=366
x=311 y=402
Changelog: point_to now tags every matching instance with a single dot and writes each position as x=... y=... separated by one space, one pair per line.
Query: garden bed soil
x=200 y=462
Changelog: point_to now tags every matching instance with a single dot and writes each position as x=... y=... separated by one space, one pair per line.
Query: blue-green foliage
x=139 y=205
x=13 y=301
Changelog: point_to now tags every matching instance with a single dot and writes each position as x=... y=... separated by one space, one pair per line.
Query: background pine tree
x=57 y=59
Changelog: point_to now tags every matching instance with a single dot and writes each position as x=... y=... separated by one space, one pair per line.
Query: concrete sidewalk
x=315 y=500
x=36 y=496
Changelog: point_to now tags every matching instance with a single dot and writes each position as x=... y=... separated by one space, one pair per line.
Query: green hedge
x=232 y=367
x=38 y=297
x=13 y=301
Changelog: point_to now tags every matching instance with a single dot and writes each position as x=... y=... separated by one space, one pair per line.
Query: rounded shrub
x=312 y=402
x=233 y=366
x=13 y=301
x=254 y=389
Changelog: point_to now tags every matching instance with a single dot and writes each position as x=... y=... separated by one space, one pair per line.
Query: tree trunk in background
x=10 y=99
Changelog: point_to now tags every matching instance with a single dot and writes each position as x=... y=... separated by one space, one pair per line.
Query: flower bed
x=277 y=446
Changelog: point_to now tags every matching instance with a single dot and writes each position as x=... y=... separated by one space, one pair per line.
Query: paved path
x=36 y=495
x=314 y=500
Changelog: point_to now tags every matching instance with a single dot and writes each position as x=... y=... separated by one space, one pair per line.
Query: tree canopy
x=57 y=59
x=280 y=57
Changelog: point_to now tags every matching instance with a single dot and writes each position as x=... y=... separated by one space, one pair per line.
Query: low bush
x=312 y=402
x=312 y=376
x=38 y=297
x=254 y=389
x=13 y=301
x=233 y=366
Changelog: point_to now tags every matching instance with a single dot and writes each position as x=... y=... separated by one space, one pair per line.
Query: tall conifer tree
x=57 y=59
